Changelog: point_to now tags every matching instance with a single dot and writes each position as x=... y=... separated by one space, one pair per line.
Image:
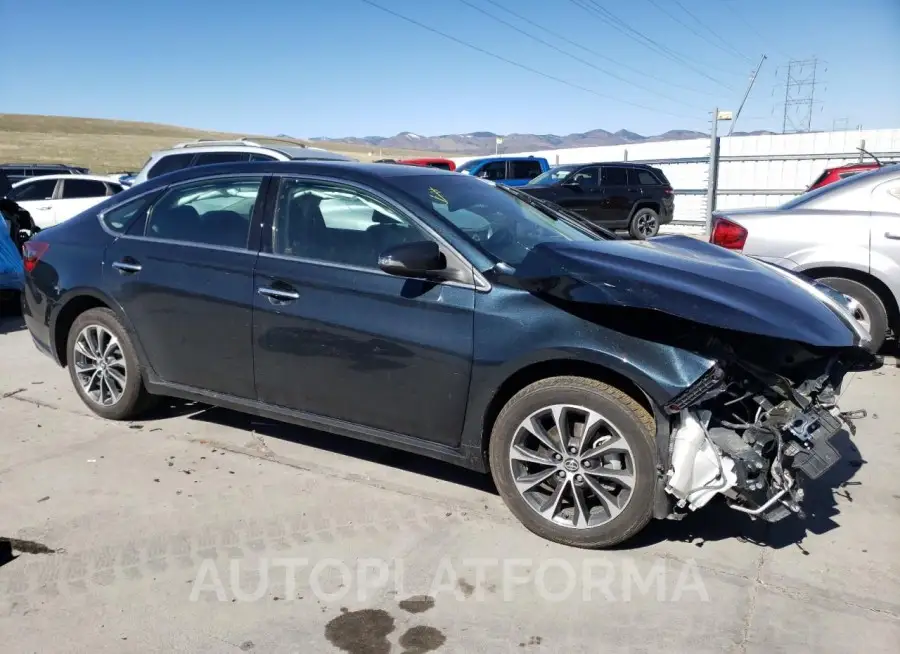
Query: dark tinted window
x=336 y=224
x=38 y=172
x=849 y=173
x=614 y=176
x=129 y=216
x=82 y=188
x=14 y=172
x=524 y=169
x=213 y=212
x=207 y=158
x=114 y=188
x=170 y=164
x=641 y=177
x=494 y=170
x=261 y=157
x=41 y=189
x=438 y=164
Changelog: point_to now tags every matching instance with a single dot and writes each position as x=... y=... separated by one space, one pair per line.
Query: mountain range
x=485 y=142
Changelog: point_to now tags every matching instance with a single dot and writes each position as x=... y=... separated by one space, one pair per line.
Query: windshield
x=502 y=225
x=469 y=165
x=553 y=175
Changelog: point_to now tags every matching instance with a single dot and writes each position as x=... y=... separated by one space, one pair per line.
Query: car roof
x=94 y=178
x=290 y=151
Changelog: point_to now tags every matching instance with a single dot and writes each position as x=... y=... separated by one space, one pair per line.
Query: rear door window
x=82 y=188
x=169 y=164
x=524 y=169
x=613 y=176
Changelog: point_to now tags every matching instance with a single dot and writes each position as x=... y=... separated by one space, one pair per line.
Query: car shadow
x=717 y=521
x=713 y=522
x=11 y=324
x=327 y=442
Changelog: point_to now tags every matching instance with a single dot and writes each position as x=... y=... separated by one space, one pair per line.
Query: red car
x=443 y=164
x=831 y=175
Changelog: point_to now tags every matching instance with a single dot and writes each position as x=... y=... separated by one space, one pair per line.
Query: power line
x=534 y=71
x=611 y=19
x=726 y=48
x=746 y=22
x=600 y=55
x=576 y=58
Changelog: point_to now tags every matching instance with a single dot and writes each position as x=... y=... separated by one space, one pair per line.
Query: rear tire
x=644 y=224
x=594 y=466
x=104 y=366
x=871 y=309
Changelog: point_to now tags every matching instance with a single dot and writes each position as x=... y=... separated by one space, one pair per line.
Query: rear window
x=438 y=164
x=169 y=164
x=208 y=158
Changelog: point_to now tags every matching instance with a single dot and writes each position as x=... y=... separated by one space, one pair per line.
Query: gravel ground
x=178 y=534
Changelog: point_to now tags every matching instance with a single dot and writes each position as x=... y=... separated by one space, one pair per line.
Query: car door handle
x=47 y=208
x=278 y=294
x=892 y=235
x=127 y=267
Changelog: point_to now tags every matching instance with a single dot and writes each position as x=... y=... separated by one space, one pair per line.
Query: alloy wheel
x=572 y=466
x=100 y=366
x=646 y=224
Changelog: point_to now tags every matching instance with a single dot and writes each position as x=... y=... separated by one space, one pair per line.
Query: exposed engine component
x=754 y=436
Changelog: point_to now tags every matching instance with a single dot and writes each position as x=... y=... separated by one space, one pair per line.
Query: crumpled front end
x=754 y=434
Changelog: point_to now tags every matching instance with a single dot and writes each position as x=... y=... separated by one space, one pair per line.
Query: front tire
x=644 y=224
x=870 y=310
x=574 y=460
x=104 y=366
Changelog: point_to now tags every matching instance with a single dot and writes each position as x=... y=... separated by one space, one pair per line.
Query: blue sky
x=344 y=67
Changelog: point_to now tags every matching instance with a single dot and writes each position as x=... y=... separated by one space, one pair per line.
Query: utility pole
x=749 y=87
x=712 y=182
x=799 y=95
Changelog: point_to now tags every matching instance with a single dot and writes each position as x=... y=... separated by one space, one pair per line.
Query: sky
x=347 y=68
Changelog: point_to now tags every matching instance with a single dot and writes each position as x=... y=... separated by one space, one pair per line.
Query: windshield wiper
x=558 y=213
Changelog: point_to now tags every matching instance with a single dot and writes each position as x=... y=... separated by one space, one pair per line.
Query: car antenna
x=863 y=150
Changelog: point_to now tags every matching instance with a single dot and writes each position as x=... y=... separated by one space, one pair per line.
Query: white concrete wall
x=791 y=175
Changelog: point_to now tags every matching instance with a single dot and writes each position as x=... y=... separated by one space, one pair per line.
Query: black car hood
x=689 y=279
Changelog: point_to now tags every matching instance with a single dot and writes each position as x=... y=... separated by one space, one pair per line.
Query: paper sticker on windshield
x=437 y=196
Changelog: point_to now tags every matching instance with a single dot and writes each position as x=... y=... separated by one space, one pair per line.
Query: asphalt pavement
x=203 y=530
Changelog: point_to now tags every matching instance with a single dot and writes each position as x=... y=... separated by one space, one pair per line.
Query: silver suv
x=203 y=152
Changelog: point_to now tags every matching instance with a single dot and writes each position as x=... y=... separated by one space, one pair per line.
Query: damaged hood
x=689 y=279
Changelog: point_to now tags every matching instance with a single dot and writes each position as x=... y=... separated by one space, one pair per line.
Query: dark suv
x=635 y=197
x=599 y=380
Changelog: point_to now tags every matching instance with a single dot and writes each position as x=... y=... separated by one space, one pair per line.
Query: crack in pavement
x=751 y=608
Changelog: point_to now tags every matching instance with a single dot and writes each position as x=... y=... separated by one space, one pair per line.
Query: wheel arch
x=73 y=305
x=536 y=371
x=645 y=204
x=866 y=279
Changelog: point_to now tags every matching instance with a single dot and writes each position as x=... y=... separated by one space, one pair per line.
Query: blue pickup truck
x=512 y=171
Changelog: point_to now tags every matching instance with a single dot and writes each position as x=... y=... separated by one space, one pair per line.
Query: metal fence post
x=713 y=176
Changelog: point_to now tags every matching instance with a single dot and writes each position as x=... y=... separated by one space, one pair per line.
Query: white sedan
x=52 y=199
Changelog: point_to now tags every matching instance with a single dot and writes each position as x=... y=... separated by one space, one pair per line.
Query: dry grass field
x=107 y=146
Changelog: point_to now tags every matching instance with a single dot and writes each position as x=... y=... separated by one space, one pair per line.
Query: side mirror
x=418 y=259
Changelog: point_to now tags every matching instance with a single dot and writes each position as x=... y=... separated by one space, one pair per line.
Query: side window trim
x=473 y=278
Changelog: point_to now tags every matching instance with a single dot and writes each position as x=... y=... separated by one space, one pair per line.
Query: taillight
x=727 y=234
x=32 y=252
x=668 y=191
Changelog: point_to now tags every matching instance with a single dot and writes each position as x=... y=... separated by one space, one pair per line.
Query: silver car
x=846 y=235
